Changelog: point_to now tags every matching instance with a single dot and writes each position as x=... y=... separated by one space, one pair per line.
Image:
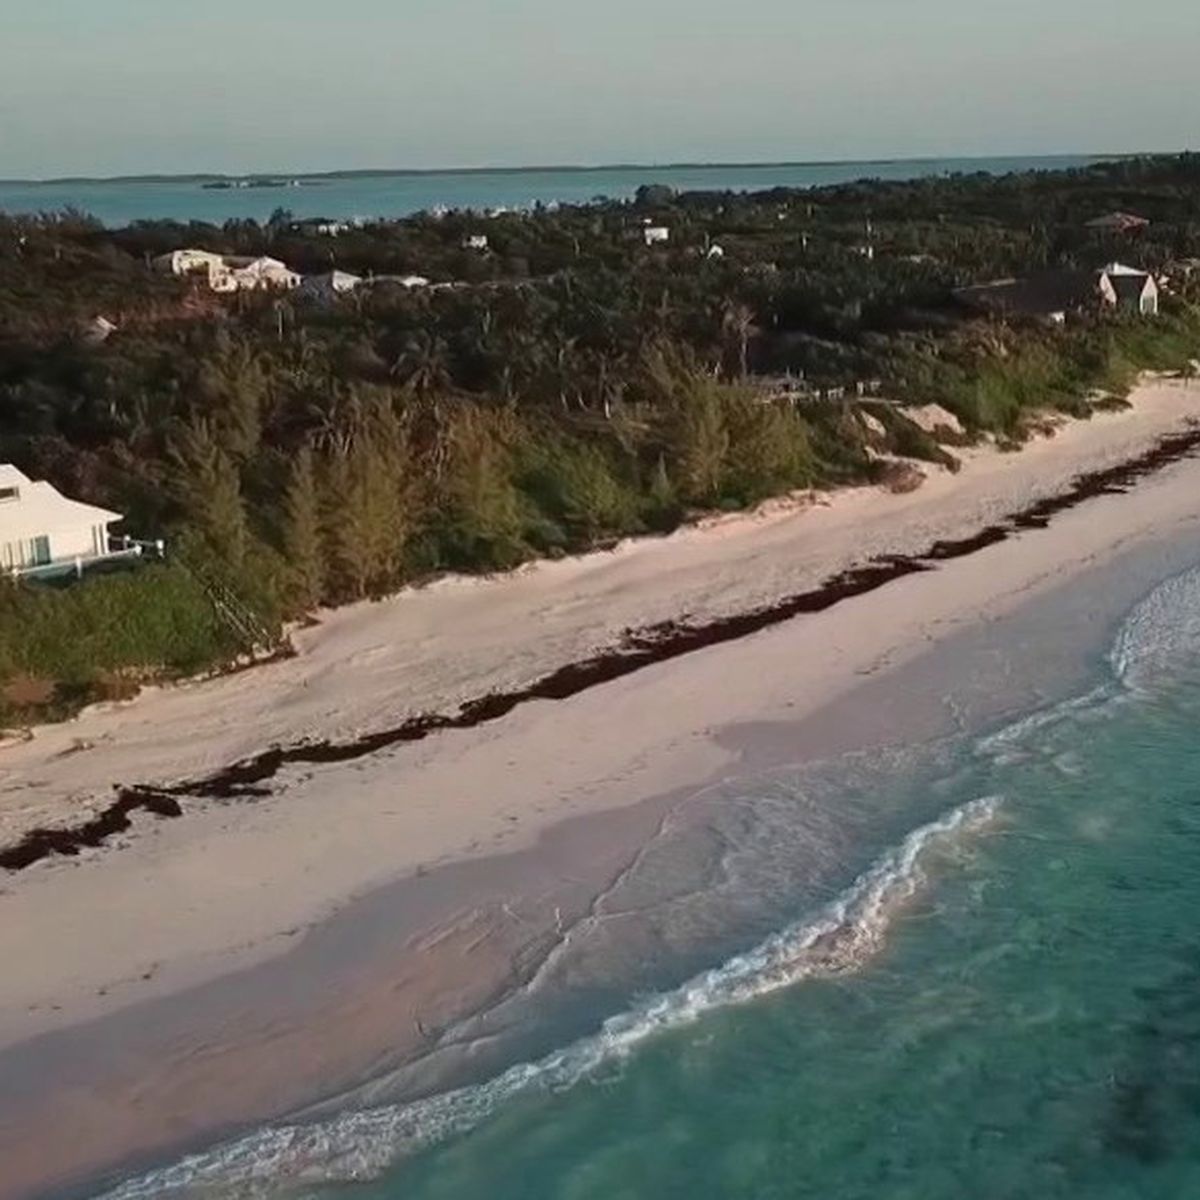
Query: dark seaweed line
x=637 y=650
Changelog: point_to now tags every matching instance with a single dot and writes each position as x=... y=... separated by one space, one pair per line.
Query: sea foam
x=1160 y=635
x=359 y=1145
x=1159 y=638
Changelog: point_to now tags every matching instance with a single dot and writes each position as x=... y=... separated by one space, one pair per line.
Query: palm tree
x=737 y=328
x=422 y=363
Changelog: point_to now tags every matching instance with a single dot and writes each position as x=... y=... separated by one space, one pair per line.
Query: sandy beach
x=163 y=988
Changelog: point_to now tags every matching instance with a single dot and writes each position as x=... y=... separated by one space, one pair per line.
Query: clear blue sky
x=127 y=86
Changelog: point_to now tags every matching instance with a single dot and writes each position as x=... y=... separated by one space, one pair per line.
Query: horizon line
x=565 y=168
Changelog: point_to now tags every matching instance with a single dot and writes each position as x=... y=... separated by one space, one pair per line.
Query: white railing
x=119 y=548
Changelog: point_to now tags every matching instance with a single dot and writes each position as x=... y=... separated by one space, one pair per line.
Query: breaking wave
x=1159 y=638
x=1161 y=634
x=359 y=1145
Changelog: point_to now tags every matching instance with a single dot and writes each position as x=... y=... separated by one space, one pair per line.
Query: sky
x=106 y=87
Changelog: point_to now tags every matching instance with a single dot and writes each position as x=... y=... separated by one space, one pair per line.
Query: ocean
x=118 y=202
x=964 y=968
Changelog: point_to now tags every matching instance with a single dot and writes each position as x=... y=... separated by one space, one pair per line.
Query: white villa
x=229 y=273
x=656 y=234
x=43 y=532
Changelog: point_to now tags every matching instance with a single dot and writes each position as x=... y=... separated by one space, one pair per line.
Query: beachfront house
x=42 y=532
x=1131 y=289
x=1052 y=296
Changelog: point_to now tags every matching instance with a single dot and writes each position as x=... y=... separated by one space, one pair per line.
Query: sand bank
x=174 y=904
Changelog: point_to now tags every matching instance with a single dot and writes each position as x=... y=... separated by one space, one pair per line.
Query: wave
x=1160 y=634
x=359 y=1145
x=1157 y=640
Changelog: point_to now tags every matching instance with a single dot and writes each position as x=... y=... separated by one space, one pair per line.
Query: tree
x=422 y=364
x=207 y=487
x=235 y=386
x=737 y=328
x=368 y=498
x=482 y=518
x=303 y=544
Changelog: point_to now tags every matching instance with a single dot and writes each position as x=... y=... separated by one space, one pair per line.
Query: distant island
x=255 y=182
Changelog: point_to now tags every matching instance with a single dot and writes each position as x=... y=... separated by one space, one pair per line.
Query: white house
x=198 y=263
x=188 y=262
x=656 y=234
x=41 y=530
x=257 y=274
x=229 y=273
x=477 y=241
x=1129 y=289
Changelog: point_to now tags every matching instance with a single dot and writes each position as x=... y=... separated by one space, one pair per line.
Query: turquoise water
x=118 y=202
x=1004 y=1003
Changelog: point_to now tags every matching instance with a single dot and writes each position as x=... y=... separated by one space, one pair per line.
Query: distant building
x=330 y=286
x=476 y=241
x=321 y=227
x=228 y=273
x=196 y=263
x=43 y=533
x=404 y=281
x=1118 y=222
x=656 y=235
x=250 y=274
x=186 y=262
x=1133 y=291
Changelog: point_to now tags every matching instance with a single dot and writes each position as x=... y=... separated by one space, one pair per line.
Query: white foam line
x=1161 y=632
x=359 y=1145
x=1005 y=741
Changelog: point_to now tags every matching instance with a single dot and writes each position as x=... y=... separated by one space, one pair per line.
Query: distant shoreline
x=568 y=168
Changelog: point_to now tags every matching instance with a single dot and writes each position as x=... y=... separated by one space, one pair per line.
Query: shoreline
x=275 y=889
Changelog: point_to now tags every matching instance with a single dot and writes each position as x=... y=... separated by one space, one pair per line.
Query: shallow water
x=989 y=984
x=118 y=202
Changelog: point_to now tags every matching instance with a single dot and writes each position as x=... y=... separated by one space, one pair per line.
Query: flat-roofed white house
x=655 y=235
x=44 y=532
